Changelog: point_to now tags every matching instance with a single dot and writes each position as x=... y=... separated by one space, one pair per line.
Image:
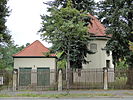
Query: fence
x=79 y=79
x=123 y=79
x=6 y=80
x=42 y=79
x=98 y=79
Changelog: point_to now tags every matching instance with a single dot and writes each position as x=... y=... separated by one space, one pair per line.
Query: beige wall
x=35 y=62
x=98 y=60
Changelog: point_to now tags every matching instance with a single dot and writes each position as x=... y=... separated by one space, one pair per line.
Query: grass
x=119 y=83
x=5 y=95
x=57 y=95
x=130 y=94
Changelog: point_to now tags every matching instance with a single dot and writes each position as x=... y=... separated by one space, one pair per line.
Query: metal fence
x=79 y=79
x=94 y=79
x=85 y=79
x=36 y=80
x=123 y=79
x=6 y=80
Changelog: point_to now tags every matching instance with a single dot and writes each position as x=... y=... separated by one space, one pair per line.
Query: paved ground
x=119 y=95
x=67 y=99
x=114 y=92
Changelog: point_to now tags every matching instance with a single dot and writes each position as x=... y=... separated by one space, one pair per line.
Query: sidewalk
x=95 y=93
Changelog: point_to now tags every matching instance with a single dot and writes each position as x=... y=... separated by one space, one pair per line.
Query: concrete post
x=15 y=79
x=105 y=78
x=34 y=79
x=60 y=80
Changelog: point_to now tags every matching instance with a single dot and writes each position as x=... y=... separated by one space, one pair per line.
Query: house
x=33 y=67
x=93 y=71
x=101 y=57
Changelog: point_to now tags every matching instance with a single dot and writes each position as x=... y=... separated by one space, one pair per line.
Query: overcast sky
x=24 y=20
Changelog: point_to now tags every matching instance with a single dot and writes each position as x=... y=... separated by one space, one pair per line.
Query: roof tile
x=96 y=28
x=34 y=49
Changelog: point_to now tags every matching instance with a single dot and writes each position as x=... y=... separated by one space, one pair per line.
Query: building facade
x=33 y=67
x=101 y=57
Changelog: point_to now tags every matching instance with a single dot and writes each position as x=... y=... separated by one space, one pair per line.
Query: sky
x=25 y=21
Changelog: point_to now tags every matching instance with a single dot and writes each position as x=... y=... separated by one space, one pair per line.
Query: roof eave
x=34 y=56
x=101 y=37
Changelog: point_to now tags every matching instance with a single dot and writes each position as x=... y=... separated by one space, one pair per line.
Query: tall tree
x=84 y=5
x=66 y=29
x=117 y=15
x=4 y=12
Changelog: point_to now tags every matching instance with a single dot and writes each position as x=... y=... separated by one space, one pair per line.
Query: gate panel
x=43 y=76
x=25 y=76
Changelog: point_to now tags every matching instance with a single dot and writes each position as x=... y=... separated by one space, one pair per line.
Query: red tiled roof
x=34 y=49
x=96 y=28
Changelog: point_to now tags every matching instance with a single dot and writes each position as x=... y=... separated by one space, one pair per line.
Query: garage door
x=24 y=76
x=43 y=76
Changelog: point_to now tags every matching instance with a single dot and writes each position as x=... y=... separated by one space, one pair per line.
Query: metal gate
x=43 y=76
x=25 y=76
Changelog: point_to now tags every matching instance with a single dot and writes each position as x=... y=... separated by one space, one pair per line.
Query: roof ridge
x=34 y=49
x=26 y=47
x=42 y=44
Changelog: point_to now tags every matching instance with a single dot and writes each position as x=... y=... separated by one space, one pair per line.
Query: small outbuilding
x=32 y=68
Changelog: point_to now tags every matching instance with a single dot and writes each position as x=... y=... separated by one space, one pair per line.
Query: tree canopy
x=4 y=12
x=66 y=29
x=118 y=17
x=6 y=52
x=80 y=5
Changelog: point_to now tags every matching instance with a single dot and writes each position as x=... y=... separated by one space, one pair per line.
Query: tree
x=4 y=12
x=6 y=62
x=84 y=5
x=118 y=17
x=66 y=30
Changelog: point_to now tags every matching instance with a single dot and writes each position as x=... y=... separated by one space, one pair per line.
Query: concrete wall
x=98 y=60
x=35 y=62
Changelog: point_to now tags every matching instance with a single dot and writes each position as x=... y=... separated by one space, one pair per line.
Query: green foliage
x=81 y=5
x=66 y=29
x=122 y=65
x=4 y=36
x=61 y=64
x=6 y=62
x=118 y=17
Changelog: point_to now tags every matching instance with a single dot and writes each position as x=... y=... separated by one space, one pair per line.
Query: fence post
x=15 y=76
x=60 y=80
x=105 y=78
x=34 y=78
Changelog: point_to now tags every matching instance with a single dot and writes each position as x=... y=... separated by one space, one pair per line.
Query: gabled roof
x=36 y=49
x=96 y=28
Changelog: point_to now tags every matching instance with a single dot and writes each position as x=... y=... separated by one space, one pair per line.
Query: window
x=93 y=47
x=108 y=53
x=108 y=63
